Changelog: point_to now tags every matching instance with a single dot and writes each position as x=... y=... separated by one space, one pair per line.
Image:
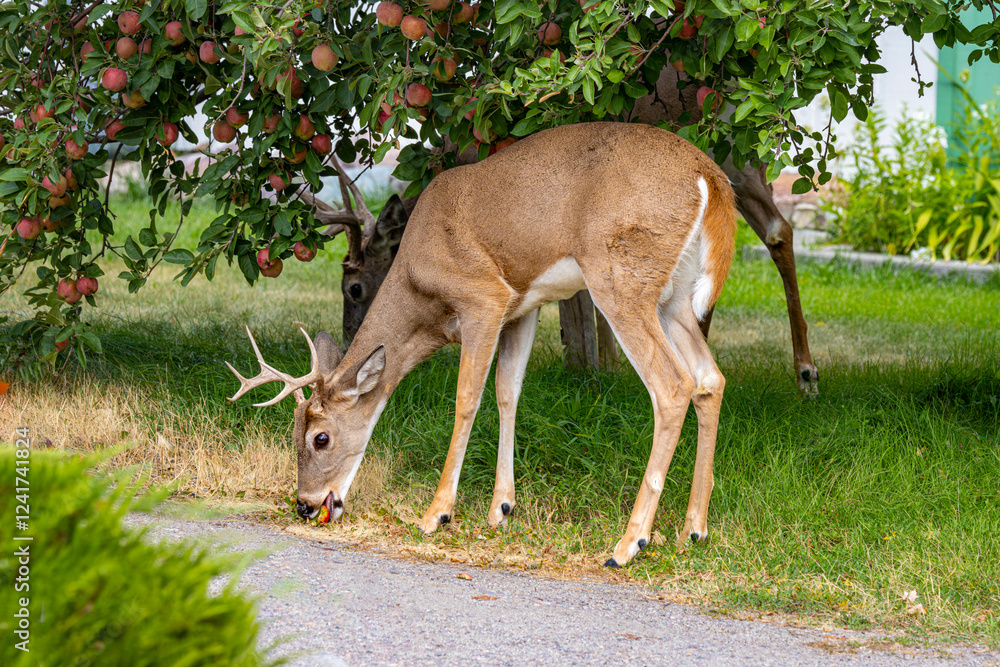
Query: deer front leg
x=512 y=361
x=477 y=354
x=756 y=203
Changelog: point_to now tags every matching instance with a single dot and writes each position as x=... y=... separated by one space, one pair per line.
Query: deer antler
x=362 y=218
x=271 y=374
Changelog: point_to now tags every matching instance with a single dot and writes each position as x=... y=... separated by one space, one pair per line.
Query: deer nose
x=303 y=509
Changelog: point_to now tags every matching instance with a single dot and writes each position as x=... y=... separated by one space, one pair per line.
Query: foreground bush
x=912 y=196
x=99 y=594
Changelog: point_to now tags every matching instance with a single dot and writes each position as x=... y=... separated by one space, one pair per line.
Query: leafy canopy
x=69 y=83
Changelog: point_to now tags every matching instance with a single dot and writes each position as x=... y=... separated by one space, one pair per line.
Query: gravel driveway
x=350 y=606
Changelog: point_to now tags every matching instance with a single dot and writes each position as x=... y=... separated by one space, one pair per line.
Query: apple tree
x=291 y=88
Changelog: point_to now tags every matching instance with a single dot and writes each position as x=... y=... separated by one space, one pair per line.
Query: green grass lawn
x=828 y=508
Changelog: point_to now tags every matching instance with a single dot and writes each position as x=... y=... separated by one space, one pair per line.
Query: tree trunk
x=607 y=350
x=579 y=335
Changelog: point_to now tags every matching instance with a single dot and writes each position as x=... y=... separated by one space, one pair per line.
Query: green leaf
x=91 y=341
x=243 y=20
x=196 y=8
x=14 y=174
x=178 y=256
x=801 y=186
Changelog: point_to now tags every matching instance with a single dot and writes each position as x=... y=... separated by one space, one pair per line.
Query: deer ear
x=328 y=351
x=371 y=370
x=389 y=228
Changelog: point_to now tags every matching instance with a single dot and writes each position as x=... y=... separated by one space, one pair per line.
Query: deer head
x=372 y=245
x=362 y=280
x=332 y=426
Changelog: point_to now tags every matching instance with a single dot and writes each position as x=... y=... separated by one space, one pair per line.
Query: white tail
x=634 y=214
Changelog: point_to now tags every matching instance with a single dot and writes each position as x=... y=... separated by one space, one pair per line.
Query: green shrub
x=912 y=197
x=100 y=594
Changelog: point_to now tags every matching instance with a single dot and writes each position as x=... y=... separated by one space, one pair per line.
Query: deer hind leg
x=682 y=329
x=512 y=361
x=478 y=347
x=670 y=388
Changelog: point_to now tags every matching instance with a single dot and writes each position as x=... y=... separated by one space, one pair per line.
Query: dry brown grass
x=92 y=417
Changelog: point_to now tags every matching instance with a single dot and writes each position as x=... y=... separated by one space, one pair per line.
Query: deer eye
x=355 y=291
x=321 y=441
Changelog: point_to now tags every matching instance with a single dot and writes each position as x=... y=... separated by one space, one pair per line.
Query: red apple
x=146 y=46
x=57 y=189
x=207 y=53
x=471 y=112
x=28 y=228
x=114 y=79
x=444 y=68
x=76 y=151
x=303 y=253
x=49 y=225
x=389 y=14
x=134 y=100
x=67 y=291
x=112 y=129
x=70 y=179
x=170 y=134
x=19 y=123
x=678 y=65
x=322 y=144
x=548 y=54
x=437 y=5
x=703 y=94
x=589 y=5
x=41 y=112
x=504 y=143
x=323 y=58
x=268 y=267
x=298 y=29
x=549 y=34
x=126 y=47
x=61 y=345
x=297 y=155
x=278 y=181
x=304 y=130
x=56 y=202
x=223 y=131
x=479 y=136
x=463 y=15
x=297 y=87
x=174 y=34
x=86 y=286
x=443 y=29
x=271 y=123
x=235 y=118
x=413 y=28
x=86 y=50
x=382 y=117
x=128 y=22
x=418 y=95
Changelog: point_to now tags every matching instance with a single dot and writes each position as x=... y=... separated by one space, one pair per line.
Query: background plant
x=284 y=84
x=910 y=196
x=108 y=596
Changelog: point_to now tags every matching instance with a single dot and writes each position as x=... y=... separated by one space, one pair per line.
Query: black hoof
x=444 y=518
x=806 y=375
x=611 y=562
x=697 y=537
x=505 y=508
x=642 y=544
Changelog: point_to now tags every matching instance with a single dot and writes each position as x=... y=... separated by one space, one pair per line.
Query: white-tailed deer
x=367 y=265
x=633 y=213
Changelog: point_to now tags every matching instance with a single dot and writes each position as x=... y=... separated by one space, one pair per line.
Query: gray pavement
x=351 y=606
